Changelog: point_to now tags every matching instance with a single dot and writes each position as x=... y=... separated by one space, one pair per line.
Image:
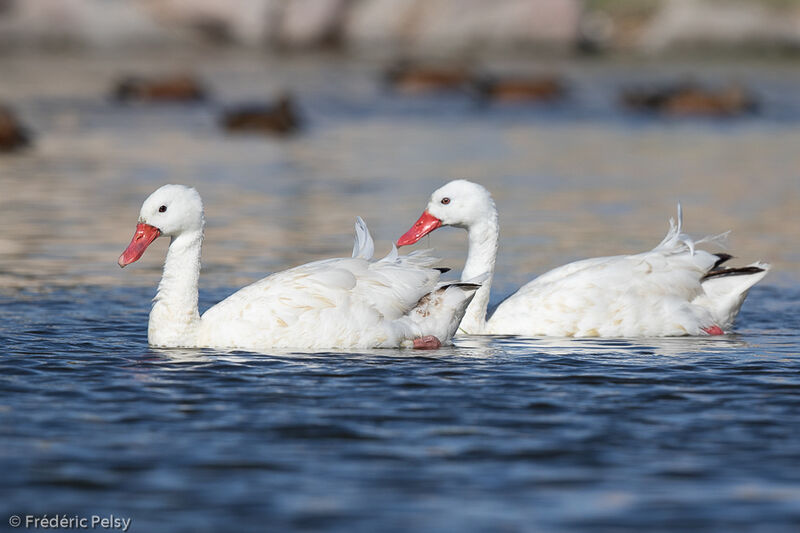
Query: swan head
x=172 y=210
x=459 y=203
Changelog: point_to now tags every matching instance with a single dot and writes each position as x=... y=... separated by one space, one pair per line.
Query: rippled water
x=494 y=434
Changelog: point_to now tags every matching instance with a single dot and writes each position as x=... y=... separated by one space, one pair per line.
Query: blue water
x=495 y=434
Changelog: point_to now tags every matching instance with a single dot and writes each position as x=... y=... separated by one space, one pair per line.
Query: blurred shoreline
x=408 y=27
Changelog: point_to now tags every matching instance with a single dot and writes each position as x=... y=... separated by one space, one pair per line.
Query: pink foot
x=714 y=330
x=428 y=342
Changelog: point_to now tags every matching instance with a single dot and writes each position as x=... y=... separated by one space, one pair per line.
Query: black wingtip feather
x=741 y=271
x=465 y=285
x=721 y=258
x=462 y=284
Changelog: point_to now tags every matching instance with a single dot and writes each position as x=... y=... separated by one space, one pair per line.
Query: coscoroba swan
x=671 y=290
x=333 y=303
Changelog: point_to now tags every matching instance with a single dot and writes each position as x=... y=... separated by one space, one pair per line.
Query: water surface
x=493 y=434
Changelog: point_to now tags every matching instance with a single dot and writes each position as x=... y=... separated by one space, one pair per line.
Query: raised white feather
x=333 y=303
x=363 y=247
x=666 y=291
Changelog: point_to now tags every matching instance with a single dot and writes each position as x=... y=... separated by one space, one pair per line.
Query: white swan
x=671 y=290
x=333 y=303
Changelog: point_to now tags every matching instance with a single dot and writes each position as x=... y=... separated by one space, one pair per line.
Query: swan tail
x=725 y=289
x=439 y=312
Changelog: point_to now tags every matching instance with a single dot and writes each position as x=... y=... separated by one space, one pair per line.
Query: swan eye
x=162 y=209
x=445 y=201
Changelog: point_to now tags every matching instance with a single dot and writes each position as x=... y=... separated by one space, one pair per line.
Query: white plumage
x=674 y=289
x=333 y=303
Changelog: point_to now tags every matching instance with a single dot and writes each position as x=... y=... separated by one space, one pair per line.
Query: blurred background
x=589 y=121
x=425 y=26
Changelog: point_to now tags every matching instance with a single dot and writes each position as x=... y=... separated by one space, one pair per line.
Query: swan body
x=674 y=289
x=333 y=303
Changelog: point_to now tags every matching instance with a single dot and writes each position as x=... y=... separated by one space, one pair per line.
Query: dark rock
x=171 y=88
x=521 y=89
x=413 y=78
x=13 y=136
x=280 y=118
x=689 y=99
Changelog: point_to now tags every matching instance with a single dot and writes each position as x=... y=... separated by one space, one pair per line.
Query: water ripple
x=695 y=434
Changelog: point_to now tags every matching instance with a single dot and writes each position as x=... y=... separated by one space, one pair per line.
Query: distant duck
x=353 y=302
x=280 y=118
x=168 y=88
x=689 y=99
x=13 y=136
x=413 y=78
x=521 y=88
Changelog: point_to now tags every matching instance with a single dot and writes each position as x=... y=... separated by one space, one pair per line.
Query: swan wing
x=343 y=302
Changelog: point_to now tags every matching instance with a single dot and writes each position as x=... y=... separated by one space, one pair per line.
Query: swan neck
x=174 y=318
x=483 y=242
